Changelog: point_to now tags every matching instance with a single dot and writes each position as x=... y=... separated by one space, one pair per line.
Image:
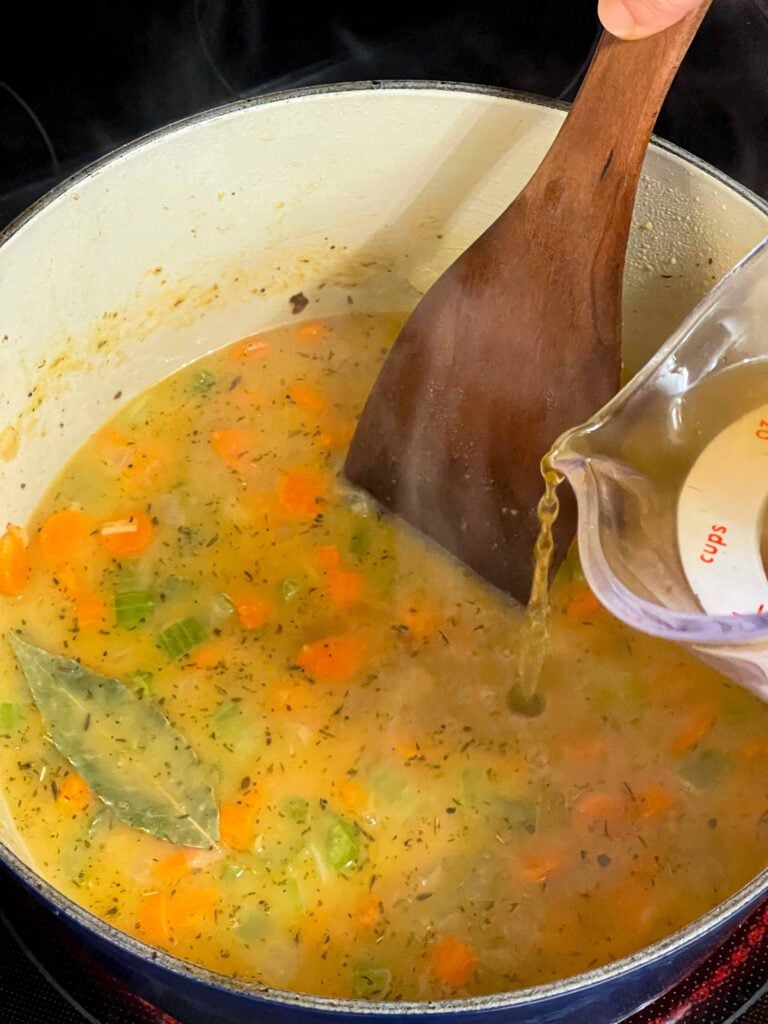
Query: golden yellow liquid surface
x=350 y=676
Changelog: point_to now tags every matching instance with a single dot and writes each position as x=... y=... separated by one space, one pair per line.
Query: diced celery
x=231 y=871
x=132 y=607
x=229 y=720
x=519 y=814
x=180 y=637
x=704 y=768
x=471 y=784
x=143 y=681
x=289 y=589
x=371 y=982
x=342 y=846
x=553 y=809
x=104 y=819
x=360 y=543
x=221 y=609
x=319 y=854
x=227 y=711
x=128 y=576
x=9 y=717
x=387 y=782
x=202 y=383
x=294 y=901
x=297 y=809
x=254 y=923
x=176 y=586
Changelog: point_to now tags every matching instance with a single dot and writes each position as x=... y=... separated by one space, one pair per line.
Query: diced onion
x=119 y=526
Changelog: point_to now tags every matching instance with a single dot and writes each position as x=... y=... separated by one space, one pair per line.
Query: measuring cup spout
x=671 y=484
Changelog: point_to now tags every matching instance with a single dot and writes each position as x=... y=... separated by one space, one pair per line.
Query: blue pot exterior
x=195 y=996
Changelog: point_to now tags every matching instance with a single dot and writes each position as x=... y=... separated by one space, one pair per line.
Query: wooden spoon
x=521 y=337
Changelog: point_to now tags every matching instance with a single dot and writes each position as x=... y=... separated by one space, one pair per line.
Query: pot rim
x=736 y=905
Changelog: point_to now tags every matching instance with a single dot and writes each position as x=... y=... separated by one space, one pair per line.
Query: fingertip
x=637 y=19
x=618 y=19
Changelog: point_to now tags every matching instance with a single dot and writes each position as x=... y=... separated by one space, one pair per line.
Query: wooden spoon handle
x=597 y=156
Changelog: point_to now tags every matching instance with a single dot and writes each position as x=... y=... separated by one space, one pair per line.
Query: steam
x=208 y=52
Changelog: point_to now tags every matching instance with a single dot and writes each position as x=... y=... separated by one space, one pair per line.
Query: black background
x=96 y=74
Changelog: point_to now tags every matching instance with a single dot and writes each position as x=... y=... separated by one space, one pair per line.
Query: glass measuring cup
x=671 y=480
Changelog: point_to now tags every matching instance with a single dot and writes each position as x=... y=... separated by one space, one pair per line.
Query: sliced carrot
x=260 y=510
x=344 y=588
x=327 y=557
x=90 y=610
x=606 y=812
x=139 y=464
x=311 y=331
x=301 y=491
x=308 y=398
x=111 y=437
x=252 y=347
x=152 y=924
x=539 y=866
x=72 y=580
x=244 y=399
x=238 y=821
x=146 y=463
x=188 y=909
x=209 y=655
x=352 y=796
x=163 y=914
x=300 y=701
x=115 y=449
x=335 y=434
x=127 y=536
x=582 y=605
x=584 y=751
x=252 y=610
x=64 y=537
x=74 y=793
x=701 y=721
x=655 y=801
x=452 y=961
x=599 y=806
x=754 y=748
x=335 y=659
x=670 y=685
x=291 y=695
x=233 y=447
x=407 y=750
x=369 y=913
x=14 y=562
x=642 y=899
x=420 y=622
x=171 y=868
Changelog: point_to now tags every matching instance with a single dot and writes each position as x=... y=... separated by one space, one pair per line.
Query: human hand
x=635 y=19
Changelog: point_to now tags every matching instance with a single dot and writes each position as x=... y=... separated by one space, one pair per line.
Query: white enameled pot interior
x=199 y=235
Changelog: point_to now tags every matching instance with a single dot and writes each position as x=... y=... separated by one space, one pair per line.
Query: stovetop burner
x=47 y=979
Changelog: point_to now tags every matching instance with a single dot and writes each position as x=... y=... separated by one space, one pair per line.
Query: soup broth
x=383 y=825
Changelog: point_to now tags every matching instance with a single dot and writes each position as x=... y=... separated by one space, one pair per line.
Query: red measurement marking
x=760 y=610
x=762 y=430
x=715 y=541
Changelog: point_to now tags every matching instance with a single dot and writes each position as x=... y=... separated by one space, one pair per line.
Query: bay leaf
x=125 y=749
